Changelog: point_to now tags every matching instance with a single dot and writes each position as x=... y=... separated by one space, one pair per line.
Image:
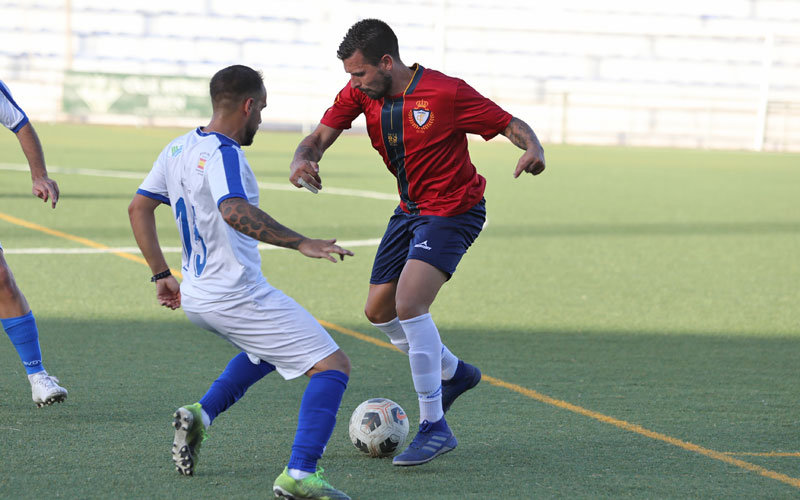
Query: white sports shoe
x=45 y=389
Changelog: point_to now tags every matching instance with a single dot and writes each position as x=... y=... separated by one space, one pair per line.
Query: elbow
x=226 y=210
x=131 y=210
x=136 y=209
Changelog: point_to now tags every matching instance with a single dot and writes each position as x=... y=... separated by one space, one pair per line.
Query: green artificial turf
x=657 y=288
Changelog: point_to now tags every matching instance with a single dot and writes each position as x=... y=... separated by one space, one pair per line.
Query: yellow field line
x=358 y=335
x=722 y=457
x=70 y=237
x=764 y=454
x=716 y=455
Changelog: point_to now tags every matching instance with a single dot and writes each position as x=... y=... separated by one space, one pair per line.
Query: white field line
x=122 y=174
x=119 y=174
x=135 y=250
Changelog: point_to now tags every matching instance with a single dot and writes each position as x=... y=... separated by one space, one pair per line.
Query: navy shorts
x=439 y=241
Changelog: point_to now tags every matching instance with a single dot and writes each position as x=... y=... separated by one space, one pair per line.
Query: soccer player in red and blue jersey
x=417 y=120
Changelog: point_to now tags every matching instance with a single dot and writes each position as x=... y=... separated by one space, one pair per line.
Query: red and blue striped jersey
x=421 y=136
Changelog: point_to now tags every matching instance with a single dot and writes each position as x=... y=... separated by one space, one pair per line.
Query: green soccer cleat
x=189 y=435
x=313 y=487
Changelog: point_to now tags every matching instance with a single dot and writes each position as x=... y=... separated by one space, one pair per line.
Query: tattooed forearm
x=254 y=222
x=313 y=146
x=310 y=148
x=307 y=152
x=521 y=135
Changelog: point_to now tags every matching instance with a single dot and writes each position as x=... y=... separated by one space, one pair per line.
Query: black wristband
x=160 y=275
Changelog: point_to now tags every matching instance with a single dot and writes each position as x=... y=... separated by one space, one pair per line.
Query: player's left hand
x=322 y=249
x=532 y=161
x=168 y=292
x=46 y=188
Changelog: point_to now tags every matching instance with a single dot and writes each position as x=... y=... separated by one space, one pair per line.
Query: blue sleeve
x=226 y=182
x=155 y=196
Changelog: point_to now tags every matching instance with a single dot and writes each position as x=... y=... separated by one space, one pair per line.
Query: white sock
x=298 y=474
x=394 y=330
x=425 y=358
x=449 y=363
x=206 y=418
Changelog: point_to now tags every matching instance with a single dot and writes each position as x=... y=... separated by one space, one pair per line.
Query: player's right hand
x=46 y=188
x=306 y=170
x=322 y=249
x=168 y=292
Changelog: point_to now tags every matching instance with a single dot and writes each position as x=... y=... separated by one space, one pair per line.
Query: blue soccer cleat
x=432 y=440
x=465 y=378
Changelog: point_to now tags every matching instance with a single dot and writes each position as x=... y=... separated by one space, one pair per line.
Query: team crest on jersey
x=201 y=163
x=420 y=116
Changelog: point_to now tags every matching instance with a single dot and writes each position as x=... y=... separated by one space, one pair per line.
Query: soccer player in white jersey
x=15 y=314
x=204 y=176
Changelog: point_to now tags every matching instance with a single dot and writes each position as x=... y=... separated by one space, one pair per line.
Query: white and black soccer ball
x=378 y=427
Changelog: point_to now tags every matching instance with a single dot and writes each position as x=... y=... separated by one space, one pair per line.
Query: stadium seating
x=715 y=74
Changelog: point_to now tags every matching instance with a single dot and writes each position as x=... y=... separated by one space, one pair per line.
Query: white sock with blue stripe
x=394 y=330
x=425 y=358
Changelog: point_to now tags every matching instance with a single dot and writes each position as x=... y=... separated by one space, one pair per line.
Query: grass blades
x=656 y=288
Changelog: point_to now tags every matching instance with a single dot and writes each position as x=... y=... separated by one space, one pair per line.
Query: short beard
x=383 y=91
x=249 y=134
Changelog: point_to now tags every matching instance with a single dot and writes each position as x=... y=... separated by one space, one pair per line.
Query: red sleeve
x=346 y=108
x=476 y=114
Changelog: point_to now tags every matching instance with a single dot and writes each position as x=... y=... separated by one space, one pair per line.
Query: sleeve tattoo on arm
x=305 y=151
x=520 y=134
x=253 y=222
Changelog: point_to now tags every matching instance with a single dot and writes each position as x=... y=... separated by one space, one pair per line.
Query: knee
x=408 y=308
x=336 y=361
x=379 y=315
x=343 y=363
x=339 y=361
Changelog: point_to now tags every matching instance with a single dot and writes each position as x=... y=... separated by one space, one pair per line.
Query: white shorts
x=271 y=326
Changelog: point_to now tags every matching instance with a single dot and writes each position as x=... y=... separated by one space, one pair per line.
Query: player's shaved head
x=234 y=84
x=373 y=38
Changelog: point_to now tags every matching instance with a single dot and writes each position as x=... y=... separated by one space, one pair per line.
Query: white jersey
x=194 y=174
x=11 y=115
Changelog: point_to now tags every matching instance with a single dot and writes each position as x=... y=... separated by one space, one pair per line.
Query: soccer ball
x=378 y=427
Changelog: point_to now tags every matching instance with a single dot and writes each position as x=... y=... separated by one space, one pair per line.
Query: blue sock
x=317 y=418
x=231 y=385
x=25 y=336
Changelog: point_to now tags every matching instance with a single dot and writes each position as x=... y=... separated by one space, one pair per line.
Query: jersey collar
x=415 y=78
x=224 y=139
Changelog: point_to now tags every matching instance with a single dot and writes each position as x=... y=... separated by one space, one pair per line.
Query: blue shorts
x=439 y=241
